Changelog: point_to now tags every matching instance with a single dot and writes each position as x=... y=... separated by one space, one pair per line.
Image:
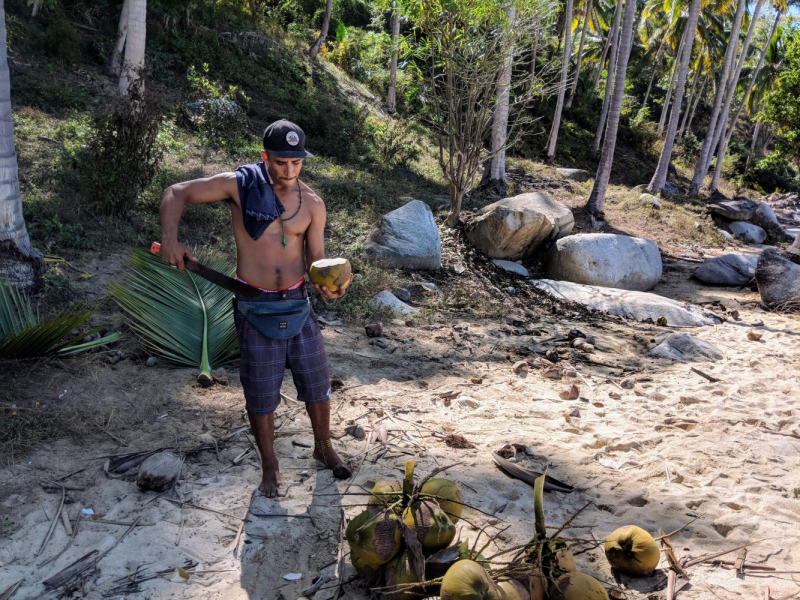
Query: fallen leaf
x=627 y=384
x=455 y=440
x=552 y=373
x=447 y=402
x=754 y=335
x=552 y=355
x=180 y=575
x=598 y=404
x=735 y=315
x=614 y=396
x=448 y=395
x=476 y=380
x=571 y=394
x=520 y=367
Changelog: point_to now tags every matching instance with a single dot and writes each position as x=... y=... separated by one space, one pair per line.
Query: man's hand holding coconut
x=278 y=224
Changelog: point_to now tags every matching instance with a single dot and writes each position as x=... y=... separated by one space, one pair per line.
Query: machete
x=215 y=277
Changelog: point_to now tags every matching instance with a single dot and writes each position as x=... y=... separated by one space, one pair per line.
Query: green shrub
x=396 y=142
x=218 y=114
x=687 y=148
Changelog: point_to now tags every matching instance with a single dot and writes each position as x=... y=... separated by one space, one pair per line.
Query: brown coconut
x=159 y=472
x=330 y=272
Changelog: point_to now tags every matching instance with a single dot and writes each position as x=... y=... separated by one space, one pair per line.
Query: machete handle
x=155 y=248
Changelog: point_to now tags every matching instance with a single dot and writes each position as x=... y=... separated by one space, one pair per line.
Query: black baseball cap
x=284 y=139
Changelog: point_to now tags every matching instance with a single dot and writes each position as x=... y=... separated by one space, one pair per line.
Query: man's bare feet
x=330 y=459
x=271 y=481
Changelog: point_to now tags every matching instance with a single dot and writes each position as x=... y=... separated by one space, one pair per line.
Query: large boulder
x=670 y=189
x=608 y=260
x=739 y=209
x=625 y=303
x=679 y=346
x=764 y=217
x=407 y=238
x=578 y=175
x=514 y=228
x=748 y=233
x=778 y=279
x=733 y=270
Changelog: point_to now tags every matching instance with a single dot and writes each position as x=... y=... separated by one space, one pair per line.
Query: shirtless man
x=275 y=219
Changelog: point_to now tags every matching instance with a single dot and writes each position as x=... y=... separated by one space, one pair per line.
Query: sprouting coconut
x=399 y=571
x=368 y=574
x=565 y=560
x=633 y=551
x=447 y=494
x=578 y=586
x=467 y=580
x=433 y=527
x=374 y=539
x=512 y=590
x=330 y=272
x=386 y=492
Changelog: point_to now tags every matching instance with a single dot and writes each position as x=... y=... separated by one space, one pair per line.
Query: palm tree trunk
x=586 y=20
x=656 y=65
x=691 y=101
x=115 y=65
x=732 y=85
x=562 y=88
x=668 y=97
x=768 y=137
x=660 y=176
x=323 y=33
x=497 y=165
x=612 y=61
x=708 y=143
x=606 y=46
x=756 y=130
x=754 y=76
x=597 y=200
x=20 y=263
x=134 y=48
x=391 y=96
x=696 y=102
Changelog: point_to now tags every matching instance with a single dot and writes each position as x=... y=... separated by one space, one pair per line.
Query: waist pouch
x=277 y=319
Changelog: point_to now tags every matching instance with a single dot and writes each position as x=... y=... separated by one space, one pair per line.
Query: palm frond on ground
x=179 y=317
x=24 y=335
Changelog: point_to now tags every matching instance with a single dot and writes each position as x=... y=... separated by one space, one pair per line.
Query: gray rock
x=725 y=234
x=578 y=175
x=765 y=218
x=511 y=267
x=424 y=288
x=608 y=260
x=407 y=175
x=403 y=294
x=670 y=189
x=740 y=209
x=151 y=362
x=679 y=346
x=407 y=238
x=778 y=279
x=625 y=303
x=732 y=270
x=159 y=472
x=748 y=233
x=650 y=200
x=388 y=300
x=514 y=228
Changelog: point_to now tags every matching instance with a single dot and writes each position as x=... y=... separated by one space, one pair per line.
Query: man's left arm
x=315 y=247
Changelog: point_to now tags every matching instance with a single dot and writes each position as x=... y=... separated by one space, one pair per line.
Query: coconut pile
x=402 y=546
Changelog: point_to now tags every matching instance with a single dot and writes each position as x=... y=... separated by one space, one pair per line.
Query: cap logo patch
x=292 y=138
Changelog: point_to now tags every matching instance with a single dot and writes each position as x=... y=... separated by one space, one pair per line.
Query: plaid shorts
x=264 y=360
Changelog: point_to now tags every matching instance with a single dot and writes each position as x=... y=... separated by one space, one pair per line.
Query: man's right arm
x=176 y=197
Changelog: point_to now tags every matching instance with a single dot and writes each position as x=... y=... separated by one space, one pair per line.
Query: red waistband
x=293 y=287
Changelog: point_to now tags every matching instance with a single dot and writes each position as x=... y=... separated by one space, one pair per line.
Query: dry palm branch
x=183 y=319
x=25 y=335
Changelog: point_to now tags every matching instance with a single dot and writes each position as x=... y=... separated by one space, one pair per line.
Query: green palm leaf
x=179 y=317
x=23 y=335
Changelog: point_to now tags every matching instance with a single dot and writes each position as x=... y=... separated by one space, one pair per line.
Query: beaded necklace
x=299 y=206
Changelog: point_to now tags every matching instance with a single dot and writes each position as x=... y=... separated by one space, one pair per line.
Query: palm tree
x=710 y=139
x=323 y=33
x=115 y=66
x=133 y=63
x=20 y=263
x=597 y=200
x=675 y=74
x=660 y=176
x=391 y=96
x=586 y=19
x=562 y=88
x=497 y=165
x=692 y=106
x=612 y=60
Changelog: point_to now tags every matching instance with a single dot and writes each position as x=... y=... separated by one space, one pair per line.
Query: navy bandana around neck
x=260 y=204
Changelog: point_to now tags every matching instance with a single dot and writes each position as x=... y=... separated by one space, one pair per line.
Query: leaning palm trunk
x=133 y=64
x=323 y=33
x=752 y=152
x=732 y=84
x=668 y=98
x=602 y=62
x=708 y=143
x=20 y=263
x=586 y=20
x=391 y=96
x=656 y=66
x=696 y=102
x=689 y=104
x=597 y=201
x=115 y=66
x=497 y=164
x=612 y=60
x=660 y=176
x=562 y=87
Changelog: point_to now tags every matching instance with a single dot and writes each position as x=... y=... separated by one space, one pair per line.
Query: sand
x=687 y=449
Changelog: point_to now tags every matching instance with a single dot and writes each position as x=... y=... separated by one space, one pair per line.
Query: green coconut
x=447 y=494
x=565 y=560
x=385 y=492
x=578 y=586
x=374 y=539
x=467 y=580
x=398 y=572
x=512 y=590
x=330 y=272
x=633 y=551
x=368 y=574
x=433 y=527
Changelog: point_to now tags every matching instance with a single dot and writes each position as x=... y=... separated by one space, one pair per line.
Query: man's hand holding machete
x=278 y=224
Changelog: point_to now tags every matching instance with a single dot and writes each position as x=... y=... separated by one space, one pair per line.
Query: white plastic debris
x=61 y=396
x=607 y=462
x=87 y=511
x=292 y=576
